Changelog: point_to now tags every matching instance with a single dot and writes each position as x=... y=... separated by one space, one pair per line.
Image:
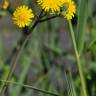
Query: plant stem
x=91 y=43
x=13 y=66
x=78 y=60
x=30 y=87
x=49 y=18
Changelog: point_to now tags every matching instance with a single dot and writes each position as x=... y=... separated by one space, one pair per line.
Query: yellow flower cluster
x=55 y=6
x=51 y=5
x=23 y=15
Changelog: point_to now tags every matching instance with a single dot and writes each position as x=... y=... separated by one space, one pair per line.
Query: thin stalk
x=30 y=87
x=91 y=43
x=12 y=68
x=48 y=18
x=78 y=60
x=14 y=65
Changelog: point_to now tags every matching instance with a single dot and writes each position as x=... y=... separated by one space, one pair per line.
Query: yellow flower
x=51 y=5
x=5 y=4
x=71 y=9
x=23 y=16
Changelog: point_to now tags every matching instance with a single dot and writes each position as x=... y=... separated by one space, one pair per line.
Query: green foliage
x=47 y=65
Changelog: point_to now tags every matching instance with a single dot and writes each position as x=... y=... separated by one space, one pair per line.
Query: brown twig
x=13 y=66
x=18 y=52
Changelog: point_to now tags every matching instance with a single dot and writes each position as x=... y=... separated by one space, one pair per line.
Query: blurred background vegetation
x=48 y=61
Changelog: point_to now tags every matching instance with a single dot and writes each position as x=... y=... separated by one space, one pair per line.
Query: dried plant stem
x=12 y=68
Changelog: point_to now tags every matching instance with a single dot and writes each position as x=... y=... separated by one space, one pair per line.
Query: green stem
x=78 y=60
x=30 y=87
x=91 y=43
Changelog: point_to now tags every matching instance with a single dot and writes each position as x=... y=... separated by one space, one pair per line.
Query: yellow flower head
x=5 y=4
x=23 y=16
x=71 y=9
x=51 y=5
